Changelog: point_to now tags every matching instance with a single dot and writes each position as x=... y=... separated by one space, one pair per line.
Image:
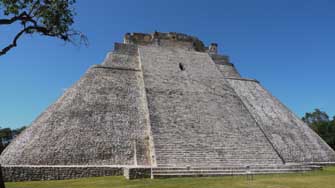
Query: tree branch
x=14 y=43
x=39 y=29
x=24 y=17
x=48 y=18
x=9 y=21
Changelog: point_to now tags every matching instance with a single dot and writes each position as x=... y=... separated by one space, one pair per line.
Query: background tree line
x=320 y=122
x=7 y=135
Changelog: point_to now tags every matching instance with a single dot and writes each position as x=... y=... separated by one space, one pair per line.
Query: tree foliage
x=319 y=121
x=315 y=117
x=52 y=18
x=7 y=134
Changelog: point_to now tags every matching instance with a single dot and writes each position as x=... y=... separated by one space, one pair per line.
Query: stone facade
x=161 y=100
x=137 y=173
x=32 y=173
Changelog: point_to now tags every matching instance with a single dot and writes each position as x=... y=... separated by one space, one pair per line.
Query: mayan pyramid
x=165 y=100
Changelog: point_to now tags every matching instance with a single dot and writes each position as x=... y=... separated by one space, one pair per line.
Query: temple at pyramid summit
x=164 y=105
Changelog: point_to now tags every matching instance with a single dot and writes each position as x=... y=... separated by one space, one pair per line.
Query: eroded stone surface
x=294 y=140
x=196 y=117
x=100 y=120
x=36 y=173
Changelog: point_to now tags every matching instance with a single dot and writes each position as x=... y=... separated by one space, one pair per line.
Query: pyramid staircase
x=168 y=172
x=187 y=171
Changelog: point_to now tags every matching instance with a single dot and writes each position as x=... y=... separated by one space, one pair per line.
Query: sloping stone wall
x=98 y=121
x=228 y=70
x=294 y=140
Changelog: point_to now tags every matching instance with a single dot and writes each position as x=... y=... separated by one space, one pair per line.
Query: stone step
x=219 y=174
x=166 y=172
x=224 y=171
x=202 y=162
x=231 y=168
x=227 y=170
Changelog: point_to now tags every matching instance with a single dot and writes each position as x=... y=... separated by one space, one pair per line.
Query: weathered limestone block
x=136 y=173
x=36 y=173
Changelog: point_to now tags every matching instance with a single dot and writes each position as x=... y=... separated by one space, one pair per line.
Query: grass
x=316 y=179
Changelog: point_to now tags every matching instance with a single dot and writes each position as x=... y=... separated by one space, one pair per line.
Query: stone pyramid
x=164 y=100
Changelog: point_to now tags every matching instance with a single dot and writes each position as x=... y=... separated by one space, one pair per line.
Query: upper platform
x=175 y=40
x=170 y=39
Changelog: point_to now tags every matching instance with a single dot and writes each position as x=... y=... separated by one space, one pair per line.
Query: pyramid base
x=40 y=173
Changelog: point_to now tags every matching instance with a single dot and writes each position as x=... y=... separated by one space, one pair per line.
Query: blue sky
x=289 y=46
